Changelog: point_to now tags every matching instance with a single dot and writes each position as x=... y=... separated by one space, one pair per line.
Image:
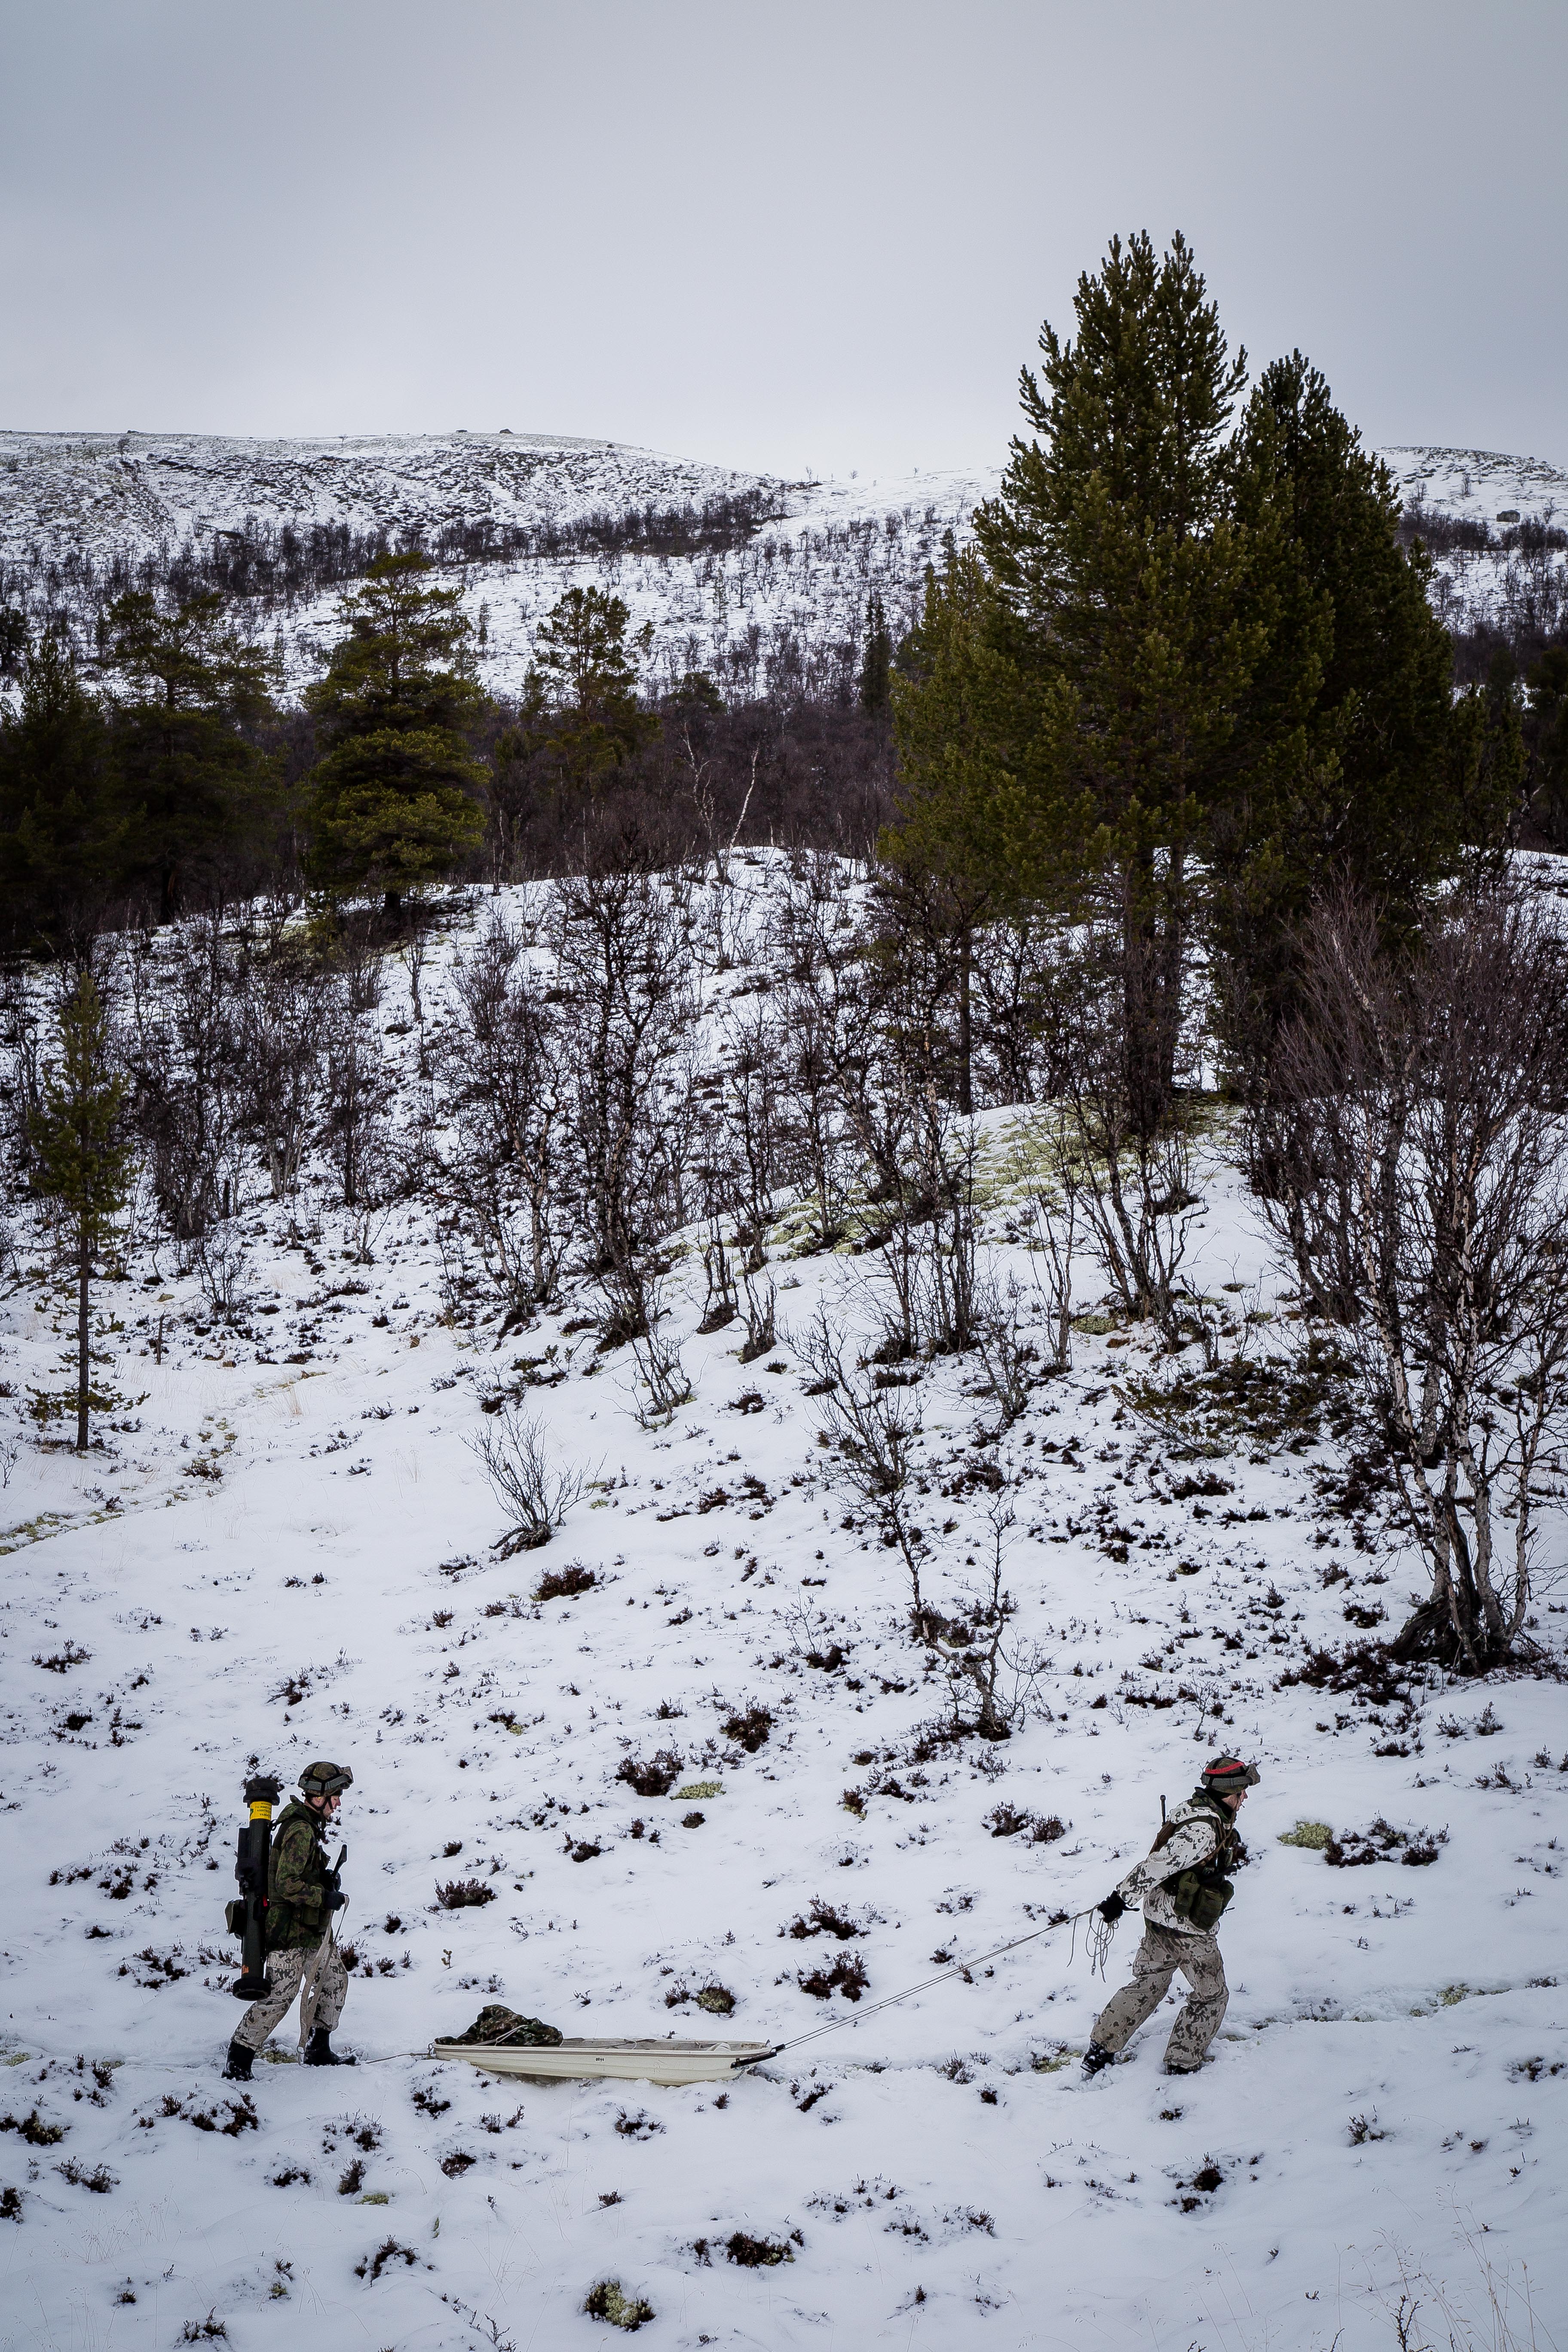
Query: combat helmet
x=323 y=1779
x=1226 y=1774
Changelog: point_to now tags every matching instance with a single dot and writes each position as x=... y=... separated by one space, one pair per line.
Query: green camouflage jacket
x=297 y=1881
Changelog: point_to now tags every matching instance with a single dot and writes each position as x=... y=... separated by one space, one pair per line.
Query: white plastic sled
x=585 y=2061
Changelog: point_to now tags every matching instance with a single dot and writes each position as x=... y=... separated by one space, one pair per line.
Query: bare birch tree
x=1418 y=1186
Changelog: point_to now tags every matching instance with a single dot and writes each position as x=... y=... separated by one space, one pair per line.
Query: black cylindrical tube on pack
x=250 y=1870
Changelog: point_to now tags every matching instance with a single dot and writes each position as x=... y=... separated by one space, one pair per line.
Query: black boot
x=318 y=2050
x=1094 y=2058
x=239 y=2062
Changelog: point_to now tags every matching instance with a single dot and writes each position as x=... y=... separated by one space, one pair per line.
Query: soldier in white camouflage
x=1183 y=1889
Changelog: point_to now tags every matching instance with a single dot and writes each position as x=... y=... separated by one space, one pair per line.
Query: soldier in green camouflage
x=302 y=1894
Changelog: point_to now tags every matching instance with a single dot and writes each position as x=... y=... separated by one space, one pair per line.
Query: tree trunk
x=83 y=1352
x=965 y=1029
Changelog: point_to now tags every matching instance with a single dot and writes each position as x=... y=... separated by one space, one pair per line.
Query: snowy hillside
x=783 y=600
x=100 y=493
x=1498 y=528
x=1481 y=484
x=284 y=1551
x=783 y=603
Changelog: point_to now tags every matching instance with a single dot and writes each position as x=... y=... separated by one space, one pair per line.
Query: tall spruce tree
x=1128 y=606
x=395 y=801
x=81 y=1156
x=1352 y=764
x=65 y=835
x=192 y=693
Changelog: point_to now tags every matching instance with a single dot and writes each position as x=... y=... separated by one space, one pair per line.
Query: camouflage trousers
x=1163 y=1951
x=287 y=1970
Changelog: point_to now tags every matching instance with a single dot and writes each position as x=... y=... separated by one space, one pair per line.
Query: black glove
x=1110 y=1910
x=336 y=1899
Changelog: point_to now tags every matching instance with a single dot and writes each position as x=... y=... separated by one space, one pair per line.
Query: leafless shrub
x=630 y=1293
x=622 y=1007
x=820 y=1023
x=652 y=1776
x=357 y=957
x=664 y=1377
x=950 y=1302
x=1121 y=1153
x=181 y=1045
x=411 y=954
x=869 y=1433
x=536 y=1498
x=1053 y=1229
x=1007 y=1356
x=633 y=1311
x=999 y=1682
x=1024 y=983
x=359 y=1092
x=720 y=1306
x=762 y=1299
x=1136 y=1197
x=282 y=1017
x=565 y=1584
x=508 y=1173
x=755 y=1129
x=1411 y=1165
x=464 y=1894
x=223 y=1266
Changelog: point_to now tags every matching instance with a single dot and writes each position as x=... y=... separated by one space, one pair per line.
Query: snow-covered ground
x=284 y=1551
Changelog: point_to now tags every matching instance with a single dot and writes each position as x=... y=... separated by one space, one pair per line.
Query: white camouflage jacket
x=1194 y=1840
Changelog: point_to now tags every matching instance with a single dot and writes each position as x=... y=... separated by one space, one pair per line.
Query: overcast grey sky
x=799 y=235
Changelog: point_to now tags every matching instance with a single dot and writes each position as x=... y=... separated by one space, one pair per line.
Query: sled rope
x=1098 y=1943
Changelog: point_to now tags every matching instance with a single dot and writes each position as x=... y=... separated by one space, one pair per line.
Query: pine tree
x=1352 y=764
x=393 y=801
x=1488 y=762
x=1127 y=608
x=877 y=661
x=13 y=639
x=579 y=657
x=82 y=1159
x=1546 y=738
x=198 y=780
x=945 y=852
x=65 y=837
x=581 y=718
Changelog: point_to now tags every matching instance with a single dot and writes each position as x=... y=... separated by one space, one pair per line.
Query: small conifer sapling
x=82 y=1156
